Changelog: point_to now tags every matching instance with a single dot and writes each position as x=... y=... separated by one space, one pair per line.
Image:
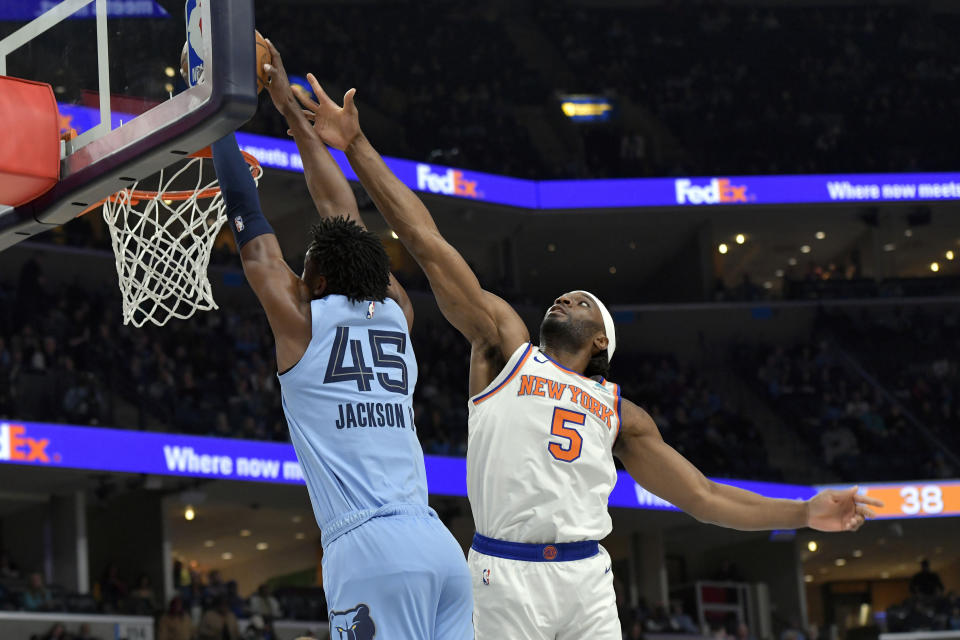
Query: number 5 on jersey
x=569 y=450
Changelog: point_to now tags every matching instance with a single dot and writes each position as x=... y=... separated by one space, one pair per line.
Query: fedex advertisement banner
x=115 y=450
x=277 y=153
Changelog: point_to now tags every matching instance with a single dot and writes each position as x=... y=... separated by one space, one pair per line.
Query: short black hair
x=599 y=365
x=351 y=258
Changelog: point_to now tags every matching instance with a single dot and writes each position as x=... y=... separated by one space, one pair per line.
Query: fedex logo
x=717 y=191
x=451 y=183
x=15 y=446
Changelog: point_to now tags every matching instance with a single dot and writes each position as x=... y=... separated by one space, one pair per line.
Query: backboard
x=115 y=69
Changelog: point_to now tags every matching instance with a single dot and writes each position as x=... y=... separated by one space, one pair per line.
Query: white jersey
x=539 y=456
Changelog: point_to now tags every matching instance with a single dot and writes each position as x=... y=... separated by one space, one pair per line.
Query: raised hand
x=277 y=82
x=337 y=126
x=840 y=510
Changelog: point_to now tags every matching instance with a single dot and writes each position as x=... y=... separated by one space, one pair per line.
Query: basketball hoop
x=162 y=241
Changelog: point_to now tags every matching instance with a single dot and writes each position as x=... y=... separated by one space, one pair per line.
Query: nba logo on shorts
x=370 y=309
x=485 y=576
x=238 y=223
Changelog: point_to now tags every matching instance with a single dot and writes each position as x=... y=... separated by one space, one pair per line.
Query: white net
x=162 y=245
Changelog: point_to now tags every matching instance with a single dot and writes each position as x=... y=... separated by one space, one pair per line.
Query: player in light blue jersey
x=347 y=373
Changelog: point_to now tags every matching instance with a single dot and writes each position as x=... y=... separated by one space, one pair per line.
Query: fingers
x=862 y=499
x=274 y=54
x=866 y=512
x=304 y=100
x=348 y=104
x=319 y=92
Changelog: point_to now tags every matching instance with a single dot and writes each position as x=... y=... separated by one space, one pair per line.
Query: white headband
x=607 y=324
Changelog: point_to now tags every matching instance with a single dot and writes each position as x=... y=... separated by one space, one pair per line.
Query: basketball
x=263 y=57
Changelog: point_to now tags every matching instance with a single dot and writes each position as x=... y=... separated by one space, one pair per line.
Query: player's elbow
x=702 y=502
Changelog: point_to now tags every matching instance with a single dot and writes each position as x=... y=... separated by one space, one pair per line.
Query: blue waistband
x=557 y=552
x=335 y=528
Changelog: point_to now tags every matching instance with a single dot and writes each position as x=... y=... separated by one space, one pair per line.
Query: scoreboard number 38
x=916 y=499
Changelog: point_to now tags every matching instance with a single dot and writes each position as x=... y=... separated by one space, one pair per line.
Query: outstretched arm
x=284 y=297
x=490 y=324
x=658 y=467
x=329 y=189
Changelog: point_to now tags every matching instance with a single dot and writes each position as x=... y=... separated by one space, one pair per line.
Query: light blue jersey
x=390 y=567
x=349 y=405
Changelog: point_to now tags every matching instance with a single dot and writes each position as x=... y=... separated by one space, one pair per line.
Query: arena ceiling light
x=820 y=235
x=857 y=553
x=949 y=255
x=226 y=555
x=840 y=562
x=189 y=513
x=723 y=248
x=812 y=546
x=935 y=267
x=805 y=249
x=586 y=108
x=740 y=238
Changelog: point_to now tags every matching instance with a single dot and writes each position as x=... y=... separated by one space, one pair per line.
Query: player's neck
x=575 y=360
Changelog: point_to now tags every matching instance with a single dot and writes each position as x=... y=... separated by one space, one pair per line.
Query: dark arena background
x=765 y=193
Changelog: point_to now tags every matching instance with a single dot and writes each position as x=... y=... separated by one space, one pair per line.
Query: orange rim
x=137 y=195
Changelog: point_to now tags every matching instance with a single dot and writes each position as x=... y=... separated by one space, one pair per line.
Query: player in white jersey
x=544 y=426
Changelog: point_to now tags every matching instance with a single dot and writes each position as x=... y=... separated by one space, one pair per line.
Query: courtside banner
x=100 y=449
x=277 y=153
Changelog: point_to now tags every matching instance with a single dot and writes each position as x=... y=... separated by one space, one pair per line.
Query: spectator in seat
x=143 y=601
x=263 y=603
x=926 y=584
x=680 y=621
x=219 y=623
x=234 y=602
x=215 y=585
x=37 y=597
x=175 y=623
x=112 y=590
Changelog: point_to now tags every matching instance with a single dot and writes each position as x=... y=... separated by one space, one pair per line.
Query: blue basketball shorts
x=402 y=576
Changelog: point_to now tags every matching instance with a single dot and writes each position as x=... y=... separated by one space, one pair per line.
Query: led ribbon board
x=282 y=154
x=933 y=499
x=116 y=450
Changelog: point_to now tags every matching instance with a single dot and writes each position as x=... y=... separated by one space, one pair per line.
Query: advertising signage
x=710 y=191
x=117 y=450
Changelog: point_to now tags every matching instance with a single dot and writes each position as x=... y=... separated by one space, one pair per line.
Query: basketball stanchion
x=162 y=241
